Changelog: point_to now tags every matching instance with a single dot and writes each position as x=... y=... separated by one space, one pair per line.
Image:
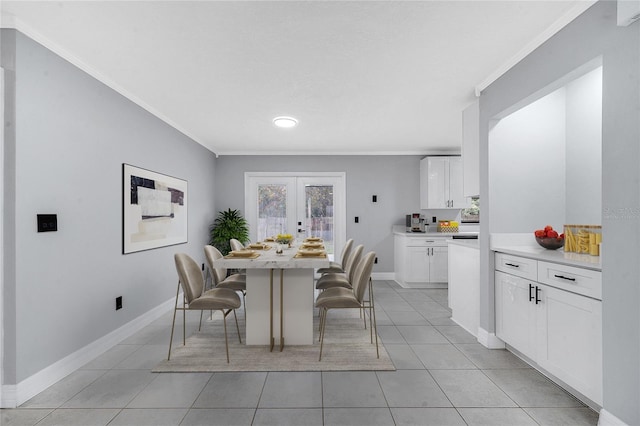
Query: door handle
x=530 y=295
x=301 y=230
x=537 y=293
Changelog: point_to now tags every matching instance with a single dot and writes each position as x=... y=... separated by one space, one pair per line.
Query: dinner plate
x=242 y=253
x=310 y=244
x=258 y=246
x=313 y=239
x=311 y=252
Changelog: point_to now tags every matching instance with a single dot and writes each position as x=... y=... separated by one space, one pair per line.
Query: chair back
x=235 y=244
x=362 y=275
x=218 y=274
x=354 y=258
x=190 y=276
x=346 y=251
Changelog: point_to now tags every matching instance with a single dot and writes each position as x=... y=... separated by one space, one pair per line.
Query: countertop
x=401 y=230
x=526 y=246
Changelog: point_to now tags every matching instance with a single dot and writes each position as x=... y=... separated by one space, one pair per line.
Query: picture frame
x=154 y=210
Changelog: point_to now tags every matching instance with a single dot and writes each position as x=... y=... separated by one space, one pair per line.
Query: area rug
x=347 y=346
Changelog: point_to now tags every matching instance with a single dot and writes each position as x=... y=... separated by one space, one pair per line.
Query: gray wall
x=72 y=135
x=394 y=179
x=592 y=34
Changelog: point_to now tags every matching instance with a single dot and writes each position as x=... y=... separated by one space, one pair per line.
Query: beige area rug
x=347 y=346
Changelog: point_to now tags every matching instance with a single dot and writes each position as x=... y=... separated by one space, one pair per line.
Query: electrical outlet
x=118 y=302
x=375 y=260
x=374 y=198
x=357 y=219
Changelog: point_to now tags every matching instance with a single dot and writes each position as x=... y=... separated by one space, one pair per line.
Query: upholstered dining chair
x=344 y=279
x=236 y=244
x=350 y=298
x=219 y=278
x=195 y=298
x=339 y=267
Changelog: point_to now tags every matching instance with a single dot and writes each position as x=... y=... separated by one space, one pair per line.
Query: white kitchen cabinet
x=441 y=183
x=569 y=339
x=420 y=260
x=515 y=314
x=553 y=324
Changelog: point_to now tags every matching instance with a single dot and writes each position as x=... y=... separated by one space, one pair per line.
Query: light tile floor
x=443 y=377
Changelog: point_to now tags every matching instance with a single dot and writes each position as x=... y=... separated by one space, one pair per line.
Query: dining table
x=280 y=291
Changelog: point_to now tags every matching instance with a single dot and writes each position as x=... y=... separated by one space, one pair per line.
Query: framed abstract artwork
x=154 y=210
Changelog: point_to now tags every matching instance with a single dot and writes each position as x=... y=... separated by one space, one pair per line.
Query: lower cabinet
x=559 y=330
x=420 y=260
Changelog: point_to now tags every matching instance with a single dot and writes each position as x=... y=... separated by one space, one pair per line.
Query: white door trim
x=1 y=235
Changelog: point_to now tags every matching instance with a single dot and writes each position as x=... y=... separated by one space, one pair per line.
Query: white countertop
x=268 y=259
x=402 y=231
x=525 y=245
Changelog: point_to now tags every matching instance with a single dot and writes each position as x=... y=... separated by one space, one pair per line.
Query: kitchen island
x=464 y=283
x=280 y=296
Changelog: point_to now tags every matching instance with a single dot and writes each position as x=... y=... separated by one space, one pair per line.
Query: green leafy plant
x=229 y=224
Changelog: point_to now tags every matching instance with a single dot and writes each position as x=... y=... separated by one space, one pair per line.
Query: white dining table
x=280 y=296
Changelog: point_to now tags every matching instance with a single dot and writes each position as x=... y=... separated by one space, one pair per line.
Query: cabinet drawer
x=515 y=265
x=426 y=242
x=576 y=280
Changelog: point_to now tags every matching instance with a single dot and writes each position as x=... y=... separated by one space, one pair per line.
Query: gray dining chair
x=219 y=278
x=339 y=267
x=344 y=279
x=194 y=297
x=351 y=298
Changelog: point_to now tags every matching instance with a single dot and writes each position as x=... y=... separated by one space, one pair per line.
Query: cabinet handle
x=512 y=264
x=530 y=295
x=451 y=203
x=537 y=293
x=564 y=278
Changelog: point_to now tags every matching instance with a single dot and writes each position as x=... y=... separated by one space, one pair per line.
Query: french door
x=300 y=204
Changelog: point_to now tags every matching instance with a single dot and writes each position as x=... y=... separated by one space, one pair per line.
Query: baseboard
x=489 y=340
x=46 y=377
x=608 y=419
x=383 y=276
x=8 y=397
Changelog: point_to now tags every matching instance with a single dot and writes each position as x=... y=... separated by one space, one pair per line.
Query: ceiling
x=364 y=77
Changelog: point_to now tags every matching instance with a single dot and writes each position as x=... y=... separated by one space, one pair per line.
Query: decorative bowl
x=550 y=243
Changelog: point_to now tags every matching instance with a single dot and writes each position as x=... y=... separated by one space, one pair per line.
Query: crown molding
x=556 y=26
x=9 y=21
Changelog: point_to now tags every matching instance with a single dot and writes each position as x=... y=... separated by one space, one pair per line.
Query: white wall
x=72 y=135
x=527 y=167
x=584 y=149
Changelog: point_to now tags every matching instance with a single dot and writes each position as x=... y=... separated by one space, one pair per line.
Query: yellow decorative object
x=584 y=239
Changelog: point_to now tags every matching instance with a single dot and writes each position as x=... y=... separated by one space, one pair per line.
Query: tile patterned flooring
x=443 y=377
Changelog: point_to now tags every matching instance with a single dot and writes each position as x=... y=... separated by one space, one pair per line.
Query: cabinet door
x=437 y=182
x=439 y=265
x=417 y=265
x=515 y=314
x=456 y=197
x=569 y=339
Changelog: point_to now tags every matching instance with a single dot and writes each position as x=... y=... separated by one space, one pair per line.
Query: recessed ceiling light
x=285 y=122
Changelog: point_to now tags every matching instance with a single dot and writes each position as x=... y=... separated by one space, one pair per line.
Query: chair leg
x=200 y=325
x=184 y=320
x=173 y=323
x=237 y=327
x=322 y=328
x=226 y=342
x=321 y=314
x=372 y=313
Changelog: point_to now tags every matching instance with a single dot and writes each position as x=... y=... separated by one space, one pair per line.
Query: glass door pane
x=272 y=210
x=318 y=214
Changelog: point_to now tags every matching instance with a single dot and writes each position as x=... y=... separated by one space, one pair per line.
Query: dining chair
x=194 y=297
x=351 y=298
x=236 y=244
x=339 y=267
x=219 y=278
x=344 y=279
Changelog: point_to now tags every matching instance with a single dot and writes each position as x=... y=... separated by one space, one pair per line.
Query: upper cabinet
x=441 y=183
x=471 y=150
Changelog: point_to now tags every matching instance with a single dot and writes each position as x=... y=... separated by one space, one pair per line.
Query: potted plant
x=229 y=224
